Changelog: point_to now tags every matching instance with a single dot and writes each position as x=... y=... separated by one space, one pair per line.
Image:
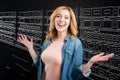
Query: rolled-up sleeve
x=36 y=62
x=78 y=63
x=84 y=74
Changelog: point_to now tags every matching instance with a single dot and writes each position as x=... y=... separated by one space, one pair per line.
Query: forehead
x=64 y=12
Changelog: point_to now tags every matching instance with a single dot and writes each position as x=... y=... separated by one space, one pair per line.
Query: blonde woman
x=61 y=56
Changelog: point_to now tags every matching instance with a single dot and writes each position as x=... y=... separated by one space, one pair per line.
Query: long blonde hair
x=72 y=29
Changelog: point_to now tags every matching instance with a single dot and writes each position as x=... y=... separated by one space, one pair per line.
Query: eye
x=66 y=17
x=58 y=16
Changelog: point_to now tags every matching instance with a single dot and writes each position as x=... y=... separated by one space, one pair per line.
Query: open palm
x=101 y=57
x=23 y=40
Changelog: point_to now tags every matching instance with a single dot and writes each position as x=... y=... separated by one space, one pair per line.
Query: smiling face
x=62 y=21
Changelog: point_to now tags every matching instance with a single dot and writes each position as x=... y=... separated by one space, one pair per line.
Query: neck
x=61 y=36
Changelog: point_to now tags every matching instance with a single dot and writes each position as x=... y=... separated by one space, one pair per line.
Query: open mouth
x=61 y=25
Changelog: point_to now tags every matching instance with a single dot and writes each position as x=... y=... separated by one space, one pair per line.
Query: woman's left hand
x=100 y=57
x=96 y=58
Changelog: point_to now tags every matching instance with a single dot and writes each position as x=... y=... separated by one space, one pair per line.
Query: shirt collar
x=68 y=38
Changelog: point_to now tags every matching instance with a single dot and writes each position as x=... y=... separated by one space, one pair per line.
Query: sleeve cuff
x=85 y=74
x=35 y=61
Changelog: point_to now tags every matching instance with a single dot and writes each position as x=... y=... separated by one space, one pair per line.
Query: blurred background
x=99 y=30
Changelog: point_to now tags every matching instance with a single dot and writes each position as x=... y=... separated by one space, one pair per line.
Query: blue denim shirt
x=72 y=57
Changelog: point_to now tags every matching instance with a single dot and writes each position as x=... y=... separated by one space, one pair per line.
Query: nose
x=62 y=19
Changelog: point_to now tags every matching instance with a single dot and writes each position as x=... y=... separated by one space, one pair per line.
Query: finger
x=106 y=57
x=31 y=40
x=19 y=38
x=25 y=37
x=110 y=55
x=22 y=37
x=101 y=54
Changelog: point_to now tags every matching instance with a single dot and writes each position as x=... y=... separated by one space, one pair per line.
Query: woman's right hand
x=29 y=44
x=23 y=40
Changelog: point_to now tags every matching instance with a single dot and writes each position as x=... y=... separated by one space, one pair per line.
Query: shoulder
x=77 y=41
x=45 y=43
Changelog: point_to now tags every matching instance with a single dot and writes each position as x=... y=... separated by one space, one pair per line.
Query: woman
x=61 y=55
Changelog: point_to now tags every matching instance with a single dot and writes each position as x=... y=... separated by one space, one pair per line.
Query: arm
x=97 y=58
x=28 y=44
x=84 y=69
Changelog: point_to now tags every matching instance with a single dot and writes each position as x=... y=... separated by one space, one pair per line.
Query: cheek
x=68 y=22
x=55 y=23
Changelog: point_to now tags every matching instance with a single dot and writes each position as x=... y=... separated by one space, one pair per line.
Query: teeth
x=61 y=24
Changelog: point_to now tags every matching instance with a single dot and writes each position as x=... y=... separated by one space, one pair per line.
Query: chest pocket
x=69 y=53
x=70 y=48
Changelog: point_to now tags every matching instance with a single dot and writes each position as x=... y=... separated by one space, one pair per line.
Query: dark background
x=7 y=69
x=46 y=4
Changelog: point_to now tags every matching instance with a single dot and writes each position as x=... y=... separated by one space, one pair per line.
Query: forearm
x=86 y=67
x=32 y=53
x=96 y=58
